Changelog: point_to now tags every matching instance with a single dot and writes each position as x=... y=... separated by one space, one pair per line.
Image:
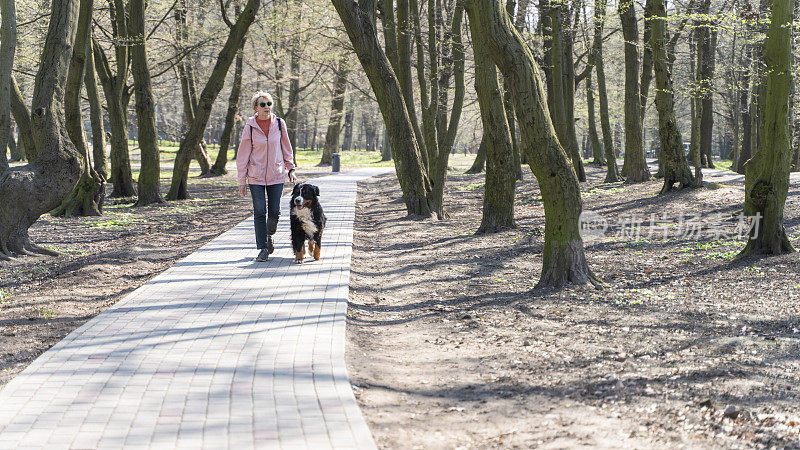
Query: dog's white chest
x=304 y=215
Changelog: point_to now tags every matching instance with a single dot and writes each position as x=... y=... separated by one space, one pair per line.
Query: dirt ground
x=449 y=345
x=42 y=299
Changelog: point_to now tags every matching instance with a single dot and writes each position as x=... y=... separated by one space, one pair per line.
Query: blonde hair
x=258 y=95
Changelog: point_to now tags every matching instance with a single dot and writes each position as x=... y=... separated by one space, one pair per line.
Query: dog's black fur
x=307 y=221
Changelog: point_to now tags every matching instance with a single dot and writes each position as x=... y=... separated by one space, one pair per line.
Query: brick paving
x=218 y=351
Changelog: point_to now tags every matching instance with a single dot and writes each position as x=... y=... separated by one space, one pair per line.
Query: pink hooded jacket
x=268 y=159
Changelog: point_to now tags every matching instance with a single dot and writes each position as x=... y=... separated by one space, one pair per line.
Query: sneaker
x=270 y=247
x=262 y=255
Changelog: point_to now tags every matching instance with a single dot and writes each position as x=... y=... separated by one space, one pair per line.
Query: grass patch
x=707 y=245
x=602 y=190
x=70 y=250
x=114 y=221
x=730 y=254
x=470 y=187
x=724 y=164
x=5 y=299
x=352 y=158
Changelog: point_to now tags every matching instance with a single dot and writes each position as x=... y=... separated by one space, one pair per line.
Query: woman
x=263 y=161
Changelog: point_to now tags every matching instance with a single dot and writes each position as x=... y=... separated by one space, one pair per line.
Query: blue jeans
x=266 y=203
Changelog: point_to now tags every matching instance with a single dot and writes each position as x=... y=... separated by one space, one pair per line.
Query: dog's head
x=304 y=195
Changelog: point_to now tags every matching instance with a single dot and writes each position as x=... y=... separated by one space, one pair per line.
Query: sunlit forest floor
x=450 y=345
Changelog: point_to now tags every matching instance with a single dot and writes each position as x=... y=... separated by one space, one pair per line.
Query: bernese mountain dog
x=307 y=221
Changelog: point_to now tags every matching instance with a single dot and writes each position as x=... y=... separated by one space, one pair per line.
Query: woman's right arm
x=243 y=157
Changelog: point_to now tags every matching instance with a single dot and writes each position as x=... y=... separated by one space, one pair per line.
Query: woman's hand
x=243 y=190
x=292 y=176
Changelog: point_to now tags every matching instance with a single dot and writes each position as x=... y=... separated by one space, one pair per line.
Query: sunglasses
x=265 y=104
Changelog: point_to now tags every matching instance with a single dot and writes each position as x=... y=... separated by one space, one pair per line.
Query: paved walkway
x=216 y=352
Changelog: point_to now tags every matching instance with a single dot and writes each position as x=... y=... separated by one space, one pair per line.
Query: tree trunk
x=347 y=142
x=386 y=148
x=767 y=173
x=22 y=117
x=519 y=24
x=647 y=61
x=561 y=96
x=86 y=199
x=597 y=149
x=314 y=129
x=180 y=173
x=498 y=197
x=117 y=98
x=28 y=192
x=450 y=50
x=706 y=47
x=634 y=167
x=734 y=93
x=188 y=83
x=676 y=168
x=121 y=175
x=795 y=165
x=744 y=111
x=546 y=30
x=694 y=153
x=8 y=45
x=294 y=96
x=612 y=172
x=409 y=164
x=480 y=158
x=563 y=260
x=233 y=106
x=238 y=128
x=337 y=106
x=569 y=95
x=16 y=152
x=100 y=161
x=405 y=31
x=149 y=176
